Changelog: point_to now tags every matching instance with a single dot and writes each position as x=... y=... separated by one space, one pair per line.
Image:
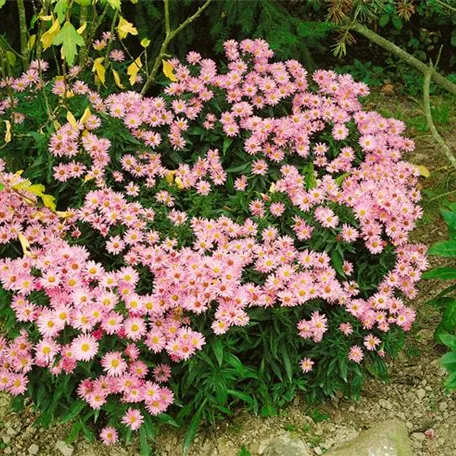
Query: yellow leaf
x=56 y=125
x=117 y=79
x=87 y=178
x=46 y=18
x=49 y=202
x=423 y=171
x=23 y=185
x=100 y=69
x=62 y=214
x=179 y=183
x=81 y=29
x=86 y=115
x=168 y=71
x=47 y=37
x=145 y=42
x=36 y=189
x=31 y=42
x=134 y=1
x=72 y=120
x=133 y=69
x=170 y=176
x=124 y=28
x=69 y=94
x=8 y=131
x=25 y=244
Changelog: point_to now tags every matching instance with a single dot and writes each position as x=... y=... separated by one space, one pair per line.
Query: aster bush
x=238 y=237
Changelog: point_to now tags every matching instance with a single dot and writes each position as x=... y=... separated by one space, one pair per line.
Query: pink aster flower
x=356 y=354
x=306 y=365
x=84 y=347
x=109 y=435
x=133 y=419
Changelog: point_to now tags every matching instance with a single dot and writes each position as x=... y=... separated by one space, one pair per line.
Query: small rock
x=64 y=448
x=443 y=406
x=318 y=451
x=285 y=445
x=33 y=449
x=421 y=393
x=385 y=404
x=6 y=439
x=388 y=438
x=419 y=436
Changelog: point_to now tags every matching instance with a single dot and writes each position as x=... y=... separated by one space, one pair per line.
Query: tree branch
x=168 y=38
x=409 y=59
x=23 y=33
x=427 y=110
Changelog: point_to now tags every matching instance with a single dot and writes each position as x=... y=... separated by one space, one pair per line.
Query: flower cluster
x=286 y=217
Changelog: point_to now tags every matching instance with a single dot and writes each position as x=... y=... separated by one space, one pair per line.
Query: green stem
x=170 y=34
x=427 y=110
x=409 y=59
x=23 y=33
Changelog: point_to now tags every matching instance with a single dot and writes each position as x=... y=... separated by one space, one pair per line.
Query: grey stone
x=421 y=393
x=285 y=445
x=64 y=448
x=419 y=436
x=389 y=438
x=385 y=404
x=33 y=449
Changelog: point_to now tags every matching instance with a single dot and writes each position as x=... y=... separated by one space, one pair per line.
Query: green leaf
x=450 y=219
x=448 y=340
x=74 y=411
x=384 y=19
x=397 y=22
x=193 y=427
x=115 y=4
x=60 y=9
x=444 y=249
x=448 y=361
x=1 y=185
x=311 y=181
x=242 y=396
x=217 y=346
x=144 y=446
x=164 y=418
x=287 y=364
x=69 y=38
x=338 y=262
x=443 y=273
x=2 y=2
x=450 y=382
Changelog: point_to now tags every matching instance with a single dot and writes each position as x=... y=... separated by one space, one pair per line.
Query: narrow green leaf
x=143 y=444
x=444 y=273
x=193 y=427
x=217 y=346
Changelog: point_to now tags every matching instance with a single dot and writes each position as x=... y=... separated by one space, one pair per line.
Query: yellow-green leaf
x=423 y=171
x=11 y=57
x=81 y=29
x=117 y=79
x=86 y=115
x=115 y=4
x=31 y=42
x=133 y=70
x=72 y=120
x=168 y=71
x=124 y=28
x=100 y=69
x=25 y=244
x=8 y=131
x=145 y=42
x=69 y=38
x=49 y=202
x=49 y=36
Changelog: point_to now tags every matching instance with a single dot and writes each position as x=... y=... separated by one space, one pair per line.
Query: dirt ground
x=414 y=393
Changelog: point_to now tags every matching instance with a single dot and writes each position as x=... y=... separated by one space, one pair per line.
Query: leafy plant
x=232 y=241
x=445 y=332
